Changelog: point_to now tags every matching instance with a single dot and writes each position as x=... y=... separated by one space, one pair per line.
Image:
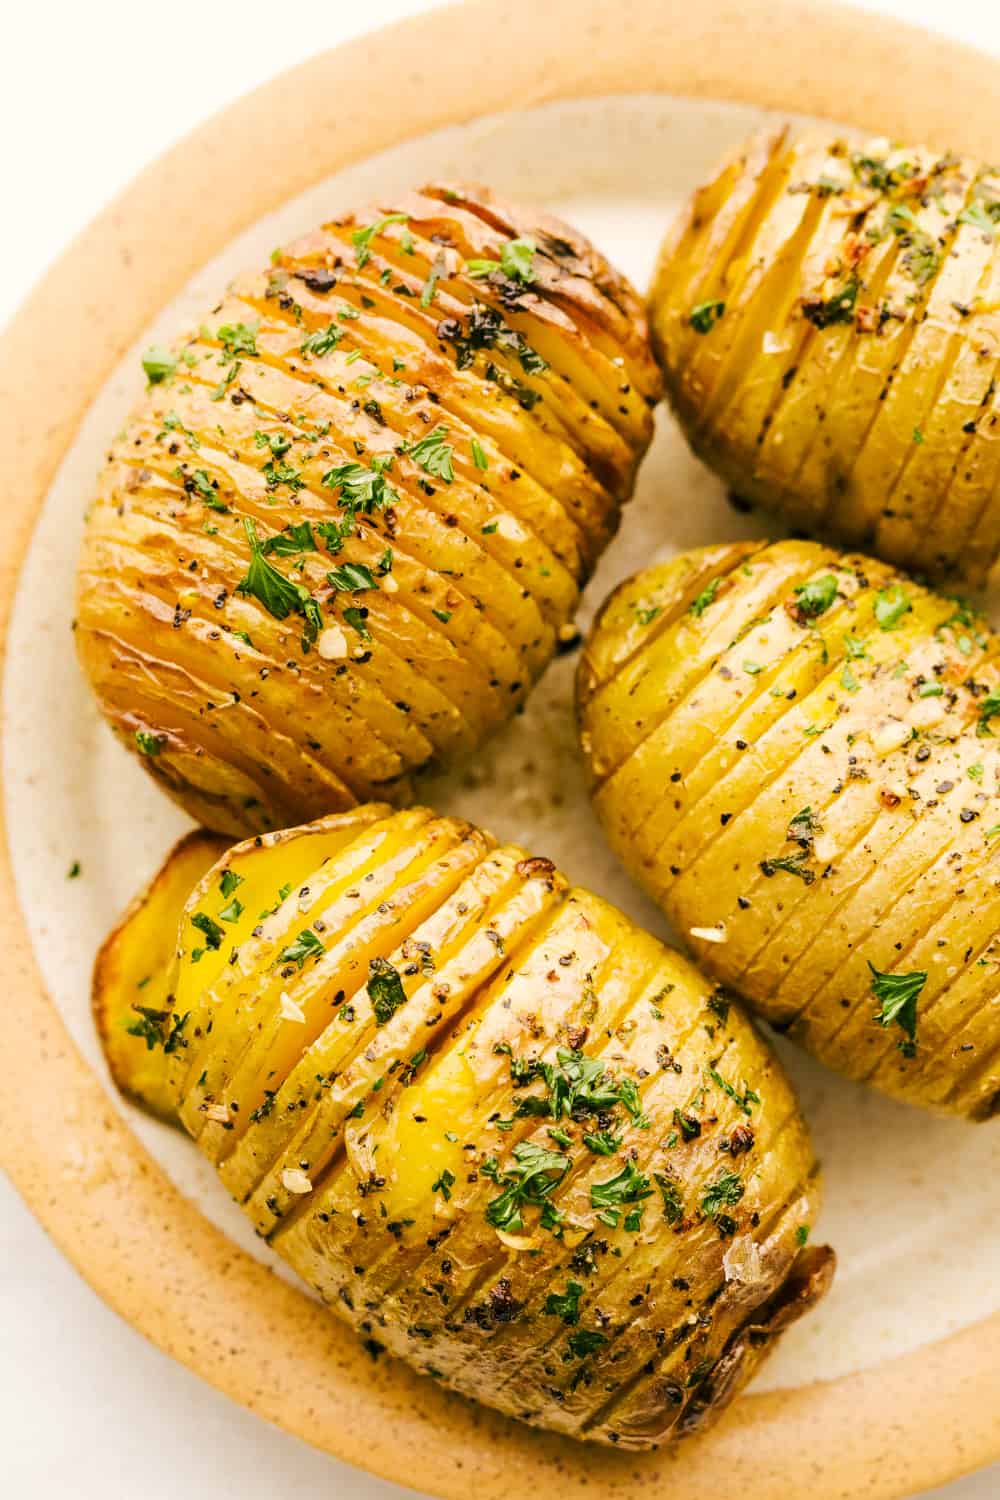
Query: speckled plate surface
x=892 y=1384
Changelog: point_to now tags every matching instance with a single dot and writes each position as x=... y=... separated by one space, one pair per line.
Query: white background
x=90 y=93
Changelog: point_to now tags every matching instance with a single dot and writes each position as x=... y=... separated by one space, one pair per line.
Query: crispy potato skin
x=476 y=432
x=794 y=751
x=365 y=1074
x=827 y=317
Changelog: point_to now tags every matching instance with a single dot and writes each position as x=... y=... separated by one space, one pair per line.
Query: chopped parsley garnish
x=152 y=1027
x=433 y=454
x=988 y=709
x=362 y=238
x=854 y=648
x=704 y=316
x=291 y=542
x=705 y=598
x=791 y=864
x=356 y=619
x=362 y=489
x=212 y=931
x=516 y=261
x=814 y=598
x=535 y=1174
x=158 y=363
x=673 y=1204
x=627 y=1186
x=148 y=744
x=725 y=1192
x=848 y=681
x=920 y=255
x=444 y=1184
x=385 y=990
x=576 y=1086
x=478 y=455
x=74 y=870
x=352 y=578
x=232 y=911
x=322 y=340
x=278 y=594
x=838 y=308
x=306 y=945
x=745 y=1100
x=981 y=216
x=238 y=338
x=229 y=883
x=566 y=1305
x=897 y=995
x=891 y=604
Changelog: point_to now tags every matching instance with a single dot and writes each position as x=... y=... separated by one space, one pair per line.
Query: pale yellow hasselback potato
x=346 y=528
x=795 y=752
x=827 y=316
x=500 y=1129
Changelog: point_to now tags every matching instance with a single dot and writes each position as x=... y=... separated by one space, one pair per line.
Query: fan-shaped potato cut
x=827 y=317
x=500 y=1129
x=346 y=528
x=793 y=750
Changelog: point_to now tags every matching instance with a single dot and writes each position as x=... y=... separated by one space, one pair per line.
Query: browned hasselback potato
x=827 y=314
x=345 y=529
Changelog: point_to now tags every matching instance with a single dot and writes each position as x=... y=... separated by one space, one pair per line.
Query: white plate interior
x=617 y=169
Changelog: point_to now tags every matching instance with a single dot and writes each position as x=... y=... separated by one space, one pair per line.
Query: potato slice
x=346 y=529
x=794 y=751
x=130 y=995
x=500 y=1129
x=827 y=318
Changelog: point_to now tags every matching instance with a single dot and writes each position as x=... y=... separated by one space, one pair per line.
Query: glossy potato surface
x=501 y=1130
x=346 y=528
x=795 y=752
x=827 y=316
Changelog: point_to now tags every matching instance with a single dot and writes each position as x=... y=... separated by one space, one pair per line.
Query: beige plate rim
x=915 y=1421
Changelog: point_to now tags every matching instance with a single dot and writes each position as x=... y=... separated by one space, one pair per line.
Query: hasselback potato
x=795 y=752
x=827 y=316
x=346 y=528
x=500 y=1129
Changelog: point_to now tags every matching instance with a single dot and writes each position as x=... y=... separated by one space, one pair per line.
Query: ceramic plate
x=887 y=1387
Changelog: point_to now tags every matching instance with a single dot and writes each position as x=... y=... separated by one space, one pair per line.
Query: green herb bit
x=567 y=1304
x=73 y=873
x=725 y=1192
x=585 y=1341
x=627 y=1186
x=229 y=882
x=989 y=707
x=704 y=316
x=478 y=454
x=158 y=363
x=352 y=578
x=891 y=604
x=278 y=594
x=814 y=598
x=322 y=341
x=444 y=1184
x=535 y=1174
x=306 y=945
x=385 y=990
x=362 y=238
x=673 y=1203
x=897 y=995
x=822 y=312
x=745 y=1100
x=149 y=744
x=212 y=931
x=433 y=454
x=362 y=489
x=516 y=262
x=705 y=598
x=291 y=542
x=152 y=1027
